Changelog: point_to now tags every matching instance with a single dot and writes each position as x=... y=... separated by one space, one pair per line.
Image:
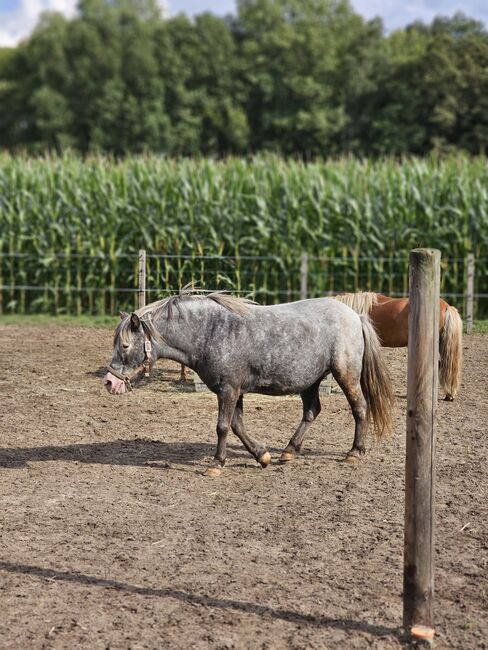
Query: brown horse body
x=390 y=319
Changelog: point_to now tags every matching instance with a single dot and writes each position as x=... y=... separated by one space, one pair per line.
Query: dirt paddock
x=112 y=538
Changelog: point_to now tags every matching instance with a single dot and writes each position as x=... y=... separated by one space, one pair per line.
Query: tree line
x=298 y=77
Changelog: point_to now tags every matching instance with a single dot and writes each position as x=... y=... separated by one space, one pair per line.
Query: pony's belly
x=393 y=339
x=282 y=384
x=276 y=390
x=286 y=373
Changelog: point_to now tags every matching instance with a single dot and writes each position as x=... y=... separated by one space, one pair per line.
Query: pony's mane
x=123 y=330
x=189 y=292
x=149 y=312
x=361 y=302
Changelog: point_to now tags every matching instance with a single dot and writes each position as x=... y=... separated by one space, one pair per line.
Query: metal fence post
x=470 y=294
x=142 y=279
x=304 y=277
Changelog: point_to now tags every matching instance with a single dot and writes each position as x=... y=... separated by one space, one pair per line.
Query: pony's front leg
x=260 y=453
x=227 y=398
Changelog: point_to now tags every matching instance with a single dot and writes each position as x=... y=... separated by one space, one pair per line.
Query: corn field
x=70 y=229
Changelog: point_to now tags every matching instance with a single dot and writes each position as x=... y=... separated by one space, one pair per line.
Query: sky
x=18 y=17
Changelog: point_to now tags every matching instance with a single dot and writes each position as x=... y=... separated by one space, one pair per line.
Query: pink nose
x=114 y=385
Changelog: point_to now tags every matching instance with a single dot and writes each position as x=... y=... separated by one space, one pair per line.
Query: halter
x=145 y=366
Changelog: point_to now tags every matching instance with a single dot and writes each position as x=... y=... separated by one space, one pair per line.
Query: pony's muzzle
x=114 y=385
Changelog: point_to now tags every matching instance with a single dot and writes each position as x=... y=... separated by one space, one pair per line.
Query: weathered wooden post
x=422 y=386
x=470 y=294
x=141 y=301
x=304 y=277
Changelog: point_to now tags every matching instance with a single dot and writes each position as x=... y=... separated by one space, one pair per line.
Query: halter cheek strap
x=145 y=366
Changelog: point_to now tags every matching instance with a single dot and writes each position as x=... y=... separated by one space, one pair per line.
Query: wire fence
x=70 y=283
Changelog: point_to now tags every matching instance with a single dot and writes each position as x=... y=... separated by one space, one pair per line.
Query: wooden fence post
x=304 y=277
x=470 y=294
x=422 y=387
x=142 y=279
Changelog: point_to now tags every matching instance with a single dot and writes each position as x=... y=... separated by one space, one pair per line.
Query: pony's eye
x=125 y=346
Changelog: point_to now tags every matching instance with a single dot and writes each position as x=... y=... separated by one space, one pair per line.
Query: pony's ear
x=123 y=314
x=135 y=322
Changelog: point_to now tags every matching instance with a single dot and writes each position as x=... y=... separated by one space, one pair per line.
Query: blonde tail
x=451 y=353
x=376 y=382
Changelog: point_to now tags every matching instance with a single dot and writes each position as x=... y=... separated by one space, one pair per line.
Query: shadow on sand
x=140 y=452
x=205 y=601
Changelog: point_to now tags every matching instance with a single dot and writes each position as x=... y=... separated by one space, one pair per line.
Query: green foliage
x=480 y=326
x=292 y=53
x=110 y=322
x=307 y=78
x=431 y=94
x=45 y=320
x=72 y=228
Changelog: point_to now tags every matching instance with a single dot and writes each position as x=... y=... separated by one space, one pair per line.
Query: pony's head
x=133 y=353
x=136 y=337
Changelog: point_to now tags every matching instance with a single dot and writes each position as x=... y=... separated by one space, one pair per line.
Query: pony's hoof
x=213 y=472
x=352 y=459
x=286 y=456
x=265 y=459
x=449 y=398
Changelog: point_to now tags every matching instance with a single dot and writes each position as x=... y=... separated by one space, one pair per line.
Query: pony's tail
x=451 y=352
x=376 y=382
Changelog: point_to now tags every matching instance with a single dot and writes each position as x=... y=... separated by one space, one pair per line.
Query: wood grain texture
x=422 y=386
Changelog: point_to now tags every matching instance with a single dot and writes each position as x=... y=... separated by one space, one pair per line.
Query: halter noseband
x=145 y=366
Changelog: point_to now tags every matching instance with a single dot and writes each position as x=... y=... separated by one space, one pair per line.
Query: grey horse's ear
x=135 y=322
x=123 y=314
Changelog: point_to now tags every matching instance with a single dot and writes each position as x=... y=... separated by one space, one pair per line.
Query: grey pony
x=239 y=347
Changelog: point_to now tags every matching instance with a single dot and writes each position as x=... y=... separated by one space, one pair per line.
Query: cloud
x=18 y=23
x=191 y=7
x=396 y=13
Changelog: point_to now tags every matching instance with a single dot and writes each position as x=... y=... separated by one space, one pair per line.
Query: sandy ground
x=112 y=538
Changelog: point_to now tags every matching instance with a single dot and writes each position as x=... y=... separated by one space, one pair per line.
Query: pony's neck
x=182 y=333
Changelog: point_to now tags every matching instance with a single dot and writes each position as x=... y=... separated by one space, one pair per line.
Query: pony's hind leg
x=351 y=387
x=260 y=453
x=227 y=398
x=311 y=409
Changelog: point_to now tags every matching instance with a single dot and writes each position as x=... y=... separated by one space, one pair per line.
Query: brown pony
x=390 y=319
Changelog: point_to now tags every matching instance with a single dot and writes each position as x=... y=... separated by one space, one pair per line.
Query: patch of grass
x=480 y=326
x=44 y=320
